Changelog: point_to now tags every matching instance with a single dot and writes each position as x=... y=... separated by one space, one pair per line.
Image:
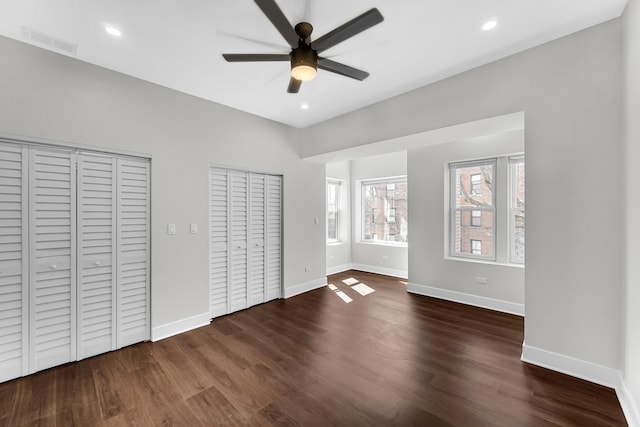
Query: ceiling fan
x=304 y=54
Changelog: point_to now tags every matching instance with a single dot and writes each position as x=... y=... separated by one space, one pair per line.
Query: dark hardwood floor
x=388 y=358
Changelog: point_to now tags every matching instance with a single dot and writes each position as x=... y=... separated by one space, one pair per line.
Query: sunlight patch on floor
x=344 y=297
x=362 y=289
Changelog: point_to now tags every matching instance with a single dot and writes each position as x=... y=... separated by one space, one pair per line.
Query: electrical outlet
x=194 y=228
x=171 y=229
x=481 y=280
x=307 y=269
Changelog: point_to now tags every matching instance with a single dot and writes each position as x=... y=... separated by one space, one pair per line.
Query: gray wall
x=632 y=155
x=427 y=194
x=50 y=96
x=571 y=93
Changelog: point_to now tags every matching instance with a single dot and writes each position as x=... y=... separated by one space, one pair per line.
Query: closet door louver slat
x=273 y=260
x=218 y=242
x=96 y=254
x=52 y=258
x=13 y=261
x=239 y=233
x=257 y=235
x=133 y=249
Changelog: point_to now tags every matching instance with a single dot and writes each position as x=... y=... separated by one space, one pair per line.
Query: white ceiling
x=178 y=44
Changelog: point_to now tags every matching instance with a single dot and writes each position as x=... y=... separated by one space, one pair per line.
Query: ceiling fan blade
x=357 y=25
x=343 y=70
x=277 y=18
x=255 y=57
x=294 y=85
x=254 y=41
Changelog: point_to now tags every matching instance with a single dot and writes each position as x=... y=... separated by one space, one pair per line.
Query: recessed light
x=489 y=25
x=304 y=106
x=112 y=30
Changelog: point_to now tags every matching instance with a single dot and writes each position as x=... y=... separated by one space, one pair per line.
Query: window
x=476 y=183
x=476 y=247
x=472 y=221
x=478 y=228
x=384 y=210
x=516 y=214
x=476 y=218
x=333 y=211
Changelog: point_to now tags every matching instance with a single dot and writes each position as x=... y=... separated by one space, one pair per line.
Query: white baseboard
x=292 y=291
x=469 y=299
x=628 y=403
x=403 y=274
x=179 y=326
x=588 y=371
x=338 y=269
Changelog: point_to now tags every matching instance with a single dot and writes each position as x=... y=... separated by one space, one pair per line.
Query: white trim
x=52 y=143
x=469 y=299
x=179 y=326
x=339 y=269
x=628 y=404
x=292 y=291
x=587 y=371
x=403 y=274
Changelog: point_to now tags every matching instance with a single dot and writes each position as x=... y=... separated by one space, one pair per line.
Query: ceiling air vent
x=49 y=40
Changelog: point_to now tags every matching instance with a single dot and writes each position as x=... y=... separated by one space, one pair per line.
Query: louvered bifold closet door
x=256 y=291
x=13 y=261
x=273 y=259
x=133 y=250
x=96 y=254
x=218 y=242
x=52 y=225
x=239 y=232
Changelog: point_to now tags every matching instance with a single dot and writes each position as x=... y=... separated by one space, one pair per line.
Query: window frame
x=453 y=209
x=390 y=184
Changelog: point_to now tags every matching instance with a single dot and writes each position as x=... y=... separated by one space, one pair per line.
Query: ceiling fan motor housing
x=304 y=56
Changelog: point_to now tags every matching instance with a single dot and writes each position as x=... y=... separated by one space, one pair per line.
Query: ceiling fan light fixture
x=304 y=64
x=304 y=73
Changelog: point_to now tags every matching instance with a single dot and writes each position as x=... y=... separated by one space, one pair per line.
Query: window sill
x=482 y=261
x=384 y=243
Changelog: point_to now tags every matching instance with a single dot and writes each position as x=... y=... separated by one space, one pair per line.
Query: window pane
x=464 y=233
x=472 y=209
x=333 y=210
x=332 y=226
x=474 y=186
x=517 y=185
x=517 y=203
x=518 y=238
x=384 y=211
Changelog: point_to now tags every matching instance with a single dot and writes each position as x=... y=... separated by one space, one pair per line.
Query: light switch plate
x=171 y=229
x=194 y=228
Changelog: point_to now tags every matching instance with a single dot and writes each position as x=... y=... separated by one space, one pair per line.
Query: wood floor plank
x=386 y=359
